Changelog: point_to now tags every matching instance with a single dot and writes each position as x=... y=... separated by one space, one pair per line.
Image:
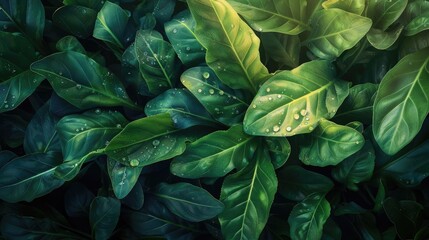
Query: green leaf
x=384 y=13
x=181 y=33
x=27 y=16
x=282 y=48
x=92 y=130
x=221 y=31
x=76 y=20
x=77 y=200
x=103 y=216
x=383 y=40
x=379 y=198
x=135 y=198
x=329 y=144
x=70 y=43
x=287 y=17
x=13 y=130
x=248 y=195
x=331 y=231
x=183 y=107
x=358 y=105
x=293 y=102
x=349 y=208
x=160 y=9
x=405 y=215
x=334 y=31
x=411 y=168
x=25 y=227
x=70 y=169
x=279 y=150
x=28 y=177
x=402 y=102
x=40 y=134
x=308 y=217
x=189 y=202
x=225 y=104
x=417 y=25
x=414 y=43
x=352 y=6
x=215 y=154
x=297 y=183
x=123 y=177
x=82 y=81
x=111 y=24
x=16 y=89
x=157 y=61
x=356 y=168
x=146 y=141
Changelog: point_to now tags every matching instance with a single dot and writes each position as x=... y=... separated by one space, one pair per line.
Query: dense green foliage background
x=214 y=119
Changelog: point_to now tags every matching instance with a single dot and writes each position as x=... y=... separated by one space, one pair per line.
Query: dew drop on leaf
x=276 y=128
x=134 y=163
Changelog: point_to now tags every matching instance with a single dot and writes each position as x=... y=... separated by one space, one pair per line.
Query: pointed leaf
x=82 y=81
x=28 y=177
x=384 y=40
x=287 y=17
x=111 y=24
x=293 y=102
x=225 y=104
x=334 y=31
x=417 y=25
x=308 y=217
x=384 y=13
x=70 y=43
x=183 y=107
x=123 y=177
x=402 y=102
x=103 y=216
x=189 y=202
x=181 y=33
x=221 y=31
x=215 y=154
x=248 y=195
x=330 y=144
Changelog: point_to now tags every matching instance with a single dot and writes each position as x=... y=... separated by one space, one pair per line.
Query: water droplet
x=174 y=30
x=254 y=106
x=270 y=99
x=296 y=116
x=267 y=130
x=78 y=86
x=60 y=73
x=200 y=90
x=276 y=128
x=289 y=129
x=279 y=96
x=221 y=92
x=268 y=90
x=118 y=125
x=188 y=48
x=155 y=143
x=306 y=119
x=134 y=163
x=206 y=75
x=211 y=91
x=311 y=128
x=303 y=112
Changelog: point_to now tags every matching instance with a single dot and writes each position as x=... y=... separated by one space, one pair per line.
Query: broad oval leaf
x=77 y=200
x=28 y=177
x=358 y=104
x=402 y=102
x=103 y=216
x=383 y=40
x=287 y=17
x=147 y=140
x=334 y=31
x=356 y=168
x=308 y=217
x=248 y=195
x=157 y=61
x=352 y=6
x=40 y=134
x=122 y=177
x=293 y=102
x=111 y=24
x=385 y=13
x=297 y=183
x=329 y=144
x=221 y=31
x=215 y=154
x=225 y=104
x=160 y=9
x=82 y=81
x=411 y=168
x=89 y=131
x=135 y=198
x=279 y=149
x=76 y=20
x=181 y=32
x=27 y=15
x=189 y=202
x=417 y=25
x=183 y=107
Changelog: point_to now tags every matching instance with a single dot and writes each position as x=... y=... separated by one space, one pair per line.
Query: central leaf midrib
x=182 y=200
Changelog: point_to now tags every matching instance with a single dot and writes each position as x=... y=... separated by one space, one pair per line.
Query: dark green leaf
x=384 y=13
x=352 y=6
x=70 y=43
x=282 y=48
x=384 y=40
x=103 y=216
x=248 y=195
x=296 y=183
x=293 y=102
x=279 y=150
x=402 y=102
x=93 y=4
x=405 y=215
x=77 y=200
x=215 y=154
x=331 y=231
x=13 y=130
x=308 y=217
x=123 y=177
x=160 y=9
x=135 y=198
x=189 y=202
x=414 y=43
x=28 y=177
x=82 y=81
x=76 y=20
x=348 y=208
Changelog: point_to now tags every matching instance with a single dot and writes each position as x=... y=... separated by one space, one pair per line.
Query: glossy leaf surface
x=103 y=216
x=110 y=24
x=122 y=177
